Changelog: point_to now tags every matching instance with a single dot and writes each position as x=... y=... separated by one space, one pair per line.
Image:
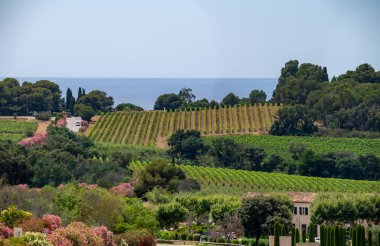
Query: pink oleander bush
x=37 y=139
x=5 y=232
x=23 y=186
x=33 y=225
x=124 y=189
x=53 y=222
x=105 y=234
x=78 y=234
x=58 y=240
x=61 y=122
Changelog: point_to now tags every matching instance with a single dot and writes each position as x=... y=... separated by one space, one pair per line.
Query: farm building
x=74 y=124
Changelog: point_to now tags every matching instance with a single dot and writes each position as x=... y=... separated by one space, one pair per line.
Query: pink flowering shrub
x=105 y=234
x=58 y=240
x=124 y=189
x=78 y=234
x=23 y=186
x=37 y=139
x=5 y=232
x=61 y=122
x=88 y=186
x=53 y=222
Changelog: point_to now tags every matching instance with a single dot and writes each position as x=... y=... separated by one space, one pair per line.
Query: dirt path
x=161 y=143
x=42 y=127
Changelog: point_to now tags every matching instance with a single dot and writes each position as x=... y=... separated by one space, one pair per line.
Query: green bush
x=263 y=242
x=166 y=235
x=220 y=240
x=43 y=116
x=183 y=236
x=235 y=241
x=244 y=241
x=205 y=238
x=196 y=237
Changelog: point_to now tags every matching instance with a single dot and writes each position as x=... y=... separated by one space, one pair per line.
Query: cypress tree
x=297 y=235
x=336 y=236
x=276 y=234
x=322 y=235
x=331 y=237
x=294 y=237
x=311 y=233
x=283 y=232
x=303 y=235
x=378 y=239
x=353 y=236
x=79 y=93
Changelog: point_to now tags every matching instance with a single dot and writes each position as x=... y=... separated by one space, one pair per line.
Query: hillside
x=279 y=145
x=234 y=182
x=149 y=128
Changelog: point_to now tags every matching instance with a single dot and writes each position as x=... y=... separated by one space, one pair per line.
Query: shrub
x=244 y=241
x=53 y=222
x=12 y=216
x=136 y=238
x=205 y=238
x=33 y=225
x=5 y=232
x=220 y=240
x=196 y=237
x=43 y=116
x=35 y=239
x=167 y=235
x=263 y=242
x=105 y=234
x=58 y=240
x=235 y=241
x=183 y=236
x=124 y=189
x=79 y=234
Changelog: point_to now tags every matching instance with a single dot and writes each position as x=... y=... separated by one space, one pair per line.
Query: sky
x=185 y=38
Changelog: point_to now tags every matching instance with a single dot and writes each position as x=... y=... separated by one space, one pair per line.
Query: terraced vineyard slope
x=279 y=145
x=15 y=130
x=146 y=127
x=236 y=182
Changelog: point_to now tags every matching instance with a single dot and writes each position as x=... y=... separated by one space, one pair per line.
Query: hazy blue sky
x=184 y=38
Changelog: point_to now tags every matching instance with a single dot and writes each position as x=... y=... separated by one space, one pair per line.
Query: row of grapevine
x=143 y=128
x=15 y=130
x=231 y=181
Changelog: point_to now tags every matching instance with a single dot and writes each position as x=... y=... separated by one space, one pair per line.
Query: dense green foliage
x=158 y=173
x=42 y=95
x=336 y=208
x=293 y=120
x=259 y=213
x=15 y=130
x=185 y=144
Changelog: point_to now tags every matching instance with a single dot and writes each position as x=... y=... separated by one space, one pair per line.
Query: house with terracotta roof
x=301 y=211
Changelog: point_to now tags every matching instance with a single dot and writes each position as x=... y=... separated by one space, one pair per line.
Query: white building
x=74 y=123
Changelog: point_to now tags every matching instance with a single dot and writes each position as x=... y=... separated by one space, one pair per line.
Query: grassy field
x=148 y=128
x=235 y=182
x=280 y=144
x=15 y=130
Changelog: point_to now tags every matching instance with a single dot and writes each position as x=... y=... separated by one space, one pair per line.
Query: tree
x=230 y=100
x=277 y=234
x=70 y=101
x=158 y=173
x=311 y=233
x=128 y=107
x=169 y=215
x=168 y=102
x=14 y=166
x=257 y=96
x=85 y=111
x=98 y=100
x=186 y=95
x=294 y=120
x=259 y=213
x=185 y=144
x=296 y=82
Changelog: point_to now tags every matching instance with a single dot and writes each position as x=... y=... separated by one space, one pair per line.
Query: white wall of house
x=74 y=123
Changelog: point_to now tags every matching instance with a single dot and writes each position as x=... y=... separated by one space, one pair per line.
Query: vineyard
x=279 y=145
x=146 y=127
x=236 y=182
x=16 y=130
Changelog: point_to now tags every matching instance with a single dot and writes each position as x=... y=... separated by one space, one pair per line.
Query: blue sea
x=144 y=91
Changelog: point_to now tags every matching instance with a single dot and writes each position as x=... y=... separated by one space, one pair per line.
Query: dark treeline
x=188 y=147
